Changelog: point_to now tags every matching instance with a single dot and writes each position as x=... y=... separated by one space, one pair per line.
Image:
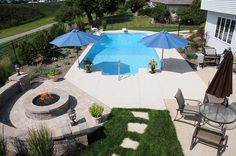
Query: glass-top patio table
x=217 y=113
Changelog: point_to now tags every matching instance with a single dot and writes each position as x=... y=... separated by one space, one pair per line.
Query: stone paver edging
x=128 y=143
x=143 y=115
x=137 y=127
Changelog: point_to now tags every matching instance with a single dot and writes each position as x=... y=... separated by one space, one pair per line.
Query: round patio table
x=217 y=113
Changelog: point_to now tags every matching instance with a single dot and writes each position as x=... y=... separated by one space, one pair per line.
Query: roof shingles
x=173 y=2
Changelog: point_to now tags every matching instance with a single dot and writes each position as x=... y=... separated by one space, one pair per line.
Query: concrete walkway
x=7 y=39
x=144 y=90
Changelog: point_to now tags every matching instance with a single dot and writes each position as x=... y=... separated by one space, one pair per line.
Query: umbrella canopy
x=74 y=38
x=221 y=84
x=164 y=40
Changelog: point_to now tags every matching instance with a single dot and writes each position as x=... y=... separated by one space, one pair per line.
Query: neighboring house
x=220 y=24
x=173 y=5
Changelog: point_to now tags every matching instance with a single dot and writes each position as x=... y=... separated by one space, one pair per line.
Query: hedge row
x=13 y=15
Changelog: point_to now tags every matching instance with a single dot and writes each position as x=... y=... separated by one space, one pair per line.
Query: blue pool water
x=123 y=47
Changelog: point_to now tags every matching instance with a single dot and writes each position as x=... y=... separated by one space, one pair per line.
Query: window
x=231 y=31
x=218 y=27
x=225 y=29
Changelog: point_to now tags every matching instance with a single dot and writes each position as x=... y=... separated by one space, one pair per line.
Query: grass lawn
x=49 y=9
x=25 y=27
x=159 y=138
x=141 y=23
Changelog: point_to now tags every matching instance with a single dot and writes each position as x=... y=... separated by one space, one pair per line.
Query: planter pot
x=88 y=71
x=98 y=119
x=152 y=71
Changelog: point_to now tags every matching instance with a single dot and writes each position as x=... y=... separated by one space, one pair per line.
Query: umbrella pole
x=119 y=70
x=162 y=58
x=162 y=53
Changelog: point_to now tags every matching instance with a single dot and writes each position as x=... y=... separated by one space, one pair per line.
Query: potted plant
x=96 y=112
x=53 y=74
x=88 y=66
x=153 y=65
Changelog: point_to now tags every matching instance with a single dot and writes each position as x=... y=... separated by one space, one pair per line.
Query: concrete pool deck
x=143 y=90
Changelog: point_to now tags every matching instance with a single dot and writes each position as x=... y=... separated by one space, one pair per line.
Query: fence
x=9 y=57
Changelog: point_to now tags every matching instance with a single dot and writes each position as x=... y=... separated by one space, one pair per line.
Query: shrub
x=6 y=68
x=57 y=30
x=26 y=52
x=52 y=73
x=67 y=63
x=80 y=24
x=184 y=13
x=145 y=12
x=104 y=24
x=13 y=15
x=135 y=5
x=38 y=71
x=40 y=142
x=161 y=13
x=191 y=56
x=3 y=148
x=96 y=110
x=194 y=44
x=41 y=43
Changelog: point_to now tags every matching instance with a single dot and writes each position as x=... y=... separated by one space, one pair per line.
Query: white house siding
x=222 y=6
x=210 y=28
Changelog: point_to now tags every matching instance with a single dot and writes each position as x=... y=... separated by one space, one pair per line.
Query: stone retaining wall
x=8 y=91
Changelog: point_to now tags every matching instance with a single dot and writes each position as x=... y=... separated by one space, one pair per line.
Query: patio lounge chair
x=185 y=109
x=211 y=137
x=210 y=56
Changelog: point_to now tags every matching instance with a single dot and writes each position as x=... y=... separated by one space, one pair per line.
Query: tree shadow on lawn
x=118 y=19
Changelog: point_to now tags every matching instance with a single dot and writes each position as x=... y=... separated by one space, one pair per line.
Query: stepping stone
x=128 y=143
x=114 y=154
x=137 y=127
x=143 y=115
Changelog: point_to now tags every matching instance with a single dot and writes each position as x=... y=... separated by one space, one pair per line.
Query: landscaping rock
x=128 y=143
x=143 y=115
x=137 y=127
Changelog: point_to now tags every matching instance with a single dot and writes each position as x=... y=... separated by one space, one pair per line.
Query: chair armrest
x=188 y=110
x=199 y=102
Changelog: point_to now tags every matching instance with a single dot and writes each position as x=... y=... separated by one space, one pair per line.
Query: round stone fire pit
x=46 y=104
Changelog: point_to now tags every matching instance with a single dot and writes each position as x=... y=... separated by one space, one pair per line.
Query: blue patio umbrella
x=164 y=40
x=75 y=38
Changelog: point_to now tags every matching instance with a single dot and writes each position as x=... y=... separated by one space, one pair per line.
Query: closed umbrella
x=164 y=40
x=221 y=84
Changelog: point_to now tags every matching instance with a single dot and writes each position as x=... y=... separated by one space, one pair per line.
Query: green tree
x=185 y=15
x=199 y=16
x=68 y=11
x=41 y=42
x=102 y=7
x=26 y=52
x=135 y=5
x=88 y=7
x=56 y=30
x=79 y=24
x=161 y=13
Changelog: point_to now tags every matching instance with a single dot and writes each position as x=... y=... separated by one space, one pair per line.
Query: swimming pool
x=123 y=47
